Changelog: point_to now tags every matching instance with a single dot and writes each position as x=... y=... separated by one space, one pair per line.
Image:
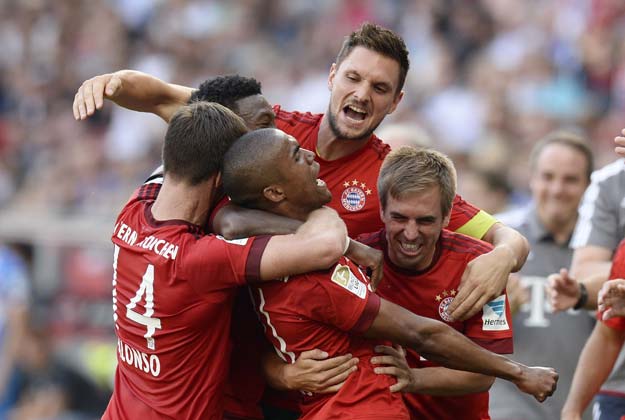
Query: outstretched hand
x=91 y=94
x=611 y=300
x=563 y=290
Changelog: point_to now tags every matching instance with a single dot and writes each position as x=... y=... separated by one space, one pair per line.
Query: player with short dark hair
x=174 y=285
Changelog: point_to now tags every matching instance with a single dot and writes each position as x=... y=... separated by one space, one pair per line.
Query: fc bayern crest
x=445 y=298
x=354 y=195
x=442 y=308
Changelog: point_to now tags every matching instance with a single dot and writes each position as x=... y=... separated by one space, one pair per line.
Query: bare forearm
x=440 y=343
x=443 y=381
x=274 y=371
x=233 y=222
x=509 y=243
x=592 y=370
x=145 y=93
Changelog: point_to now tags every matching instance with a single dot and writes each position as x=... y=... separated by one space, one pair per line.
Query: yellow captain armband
x=478 y=225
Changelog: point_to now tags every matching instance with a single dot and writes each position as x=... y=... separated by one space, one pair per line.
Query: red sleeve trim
x=499 y=346
x=372 y=307
x=252 y=265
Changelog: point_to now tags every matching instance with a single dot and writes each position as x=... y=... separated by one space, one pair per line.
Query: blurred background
x=488 y=78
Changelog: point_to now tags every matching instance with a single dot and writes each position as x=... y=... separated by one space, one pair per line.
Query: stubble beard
x=334 y=126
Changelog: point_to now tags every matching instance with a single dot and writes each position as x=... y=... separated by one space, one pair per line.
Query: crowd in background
x=488 y=79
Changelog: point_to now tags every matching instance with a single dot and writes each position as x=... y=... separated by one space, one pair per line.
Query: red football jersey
x=353 y=180
x=616 y=272
x=173 y=289
x=326 y=310
x=428 y=293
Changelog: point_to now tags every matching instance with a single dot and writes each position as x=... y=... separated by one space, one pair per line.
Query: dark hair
x=250 y=166
x=565 y=138
x=408 y=170
x=380 y=40
x=226 y=90
x=197 y=139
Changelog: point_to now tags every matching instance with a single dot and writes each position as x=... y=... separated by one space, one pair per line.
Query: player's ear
x=446 y=220
x=331 y=76
x=274 y=193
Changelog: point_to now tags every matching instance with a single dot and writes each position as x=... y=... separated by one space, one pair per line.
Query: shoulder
x=457 y=243
x=295 y=118
x=611 y=173
x=380 y=148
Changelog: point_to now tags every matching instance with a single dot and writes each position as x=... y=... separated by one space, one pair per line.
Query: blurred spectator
x=599 y=230
x=487 y=190
x=51 y=389
x=14 y=315
x=404 y=134
x=560 y=166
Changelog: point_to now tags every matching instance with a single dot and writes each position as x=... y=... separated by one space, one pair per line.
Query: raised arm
x=130 y=89
x=485 y=277
x=594 y=365
x=442 y=344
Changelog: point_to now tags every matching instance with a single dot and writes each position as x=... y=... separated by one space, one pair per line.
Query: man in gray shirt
x=599 y=230
x=561 y=165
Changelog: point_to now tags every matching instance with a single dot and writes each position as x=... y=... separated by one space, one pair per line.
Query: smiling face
x=364 y=89
x=413 y=225
x=559 y=179
x=299 y=172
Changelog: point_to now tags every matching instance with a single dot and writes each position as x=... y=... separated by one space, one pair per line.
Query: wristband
x=583 y=297
x=347 y=242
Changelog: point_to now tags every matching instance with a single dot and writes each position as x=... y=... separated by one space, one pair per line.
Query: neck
x=330 y=147
x=180 y=201
x=561 y=230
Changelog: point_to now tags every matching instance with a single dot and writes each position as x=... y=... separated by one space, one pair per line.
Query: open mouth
x=355 y=113
x=410 y=248
x=321 y=183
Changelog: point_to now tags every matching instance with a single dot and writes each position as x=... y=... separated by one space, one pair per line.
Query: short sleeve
x=468 y=219
x=598 y=223
x=344 y=299
x=491 y=328
x=212 y=262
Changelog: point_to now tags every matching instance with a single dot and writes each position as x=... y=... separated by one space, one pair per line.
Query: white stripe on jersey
x=586 y=210
x=282 y=350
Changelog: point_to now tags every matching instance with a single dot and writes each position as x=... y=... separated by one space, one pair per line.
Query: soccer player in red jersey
x=365 y=85
x=423 y=266
x=266 y=169
x=173 y=285
x=603 y=346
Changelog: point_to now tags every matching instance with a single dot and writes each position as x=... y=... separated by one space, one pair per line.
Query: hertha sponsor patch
x=494 y=315
x=347 y=280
